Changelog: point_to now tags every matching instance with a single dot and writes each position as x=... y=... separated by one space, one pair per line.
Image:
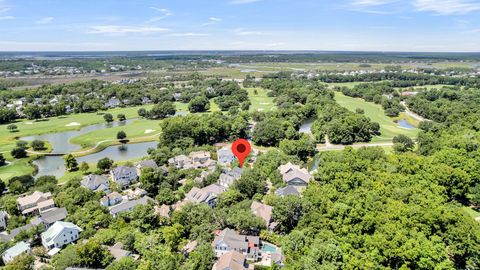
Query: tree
x=199 y=104
x=104 y=164
x=22 y=262
x=402 y=143
x=84 y=167
x=18 y=153
x=303 y=147
x=251 y=183
x=142 y=112
x=22 y=144
x=270 y=132
x=108 y=117
x=71 y=163
x=93 y=255
x=121 y=117
x=125 y=263
x=287 y=211
x=200 y=259
x=12 y=128
x=33 y=111
x=121 y=135
x=162 y=110
x=3 y=162
x=38 y=145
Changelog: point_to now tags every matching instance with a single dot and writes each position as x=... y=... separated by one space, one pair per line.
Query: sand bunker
x=28 y=123
x=149 y=131
x=264 y=103
x=72 y=124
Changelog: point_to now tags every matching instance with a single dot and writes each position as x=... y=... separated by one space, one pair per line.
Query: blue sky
x=365 y=25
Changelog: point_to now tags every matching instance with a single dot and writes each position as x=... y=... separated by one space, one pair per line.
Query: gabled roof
x=232 y=260
x=57 y=228
x=33 y=198
x=294 y=174
x=17 y=249
x=148 y=163
x=288 y=190
x=262 y=210
x=121 y=171
x=53 y=215
x=94 y=181
x=234 y=240
x=128 y=205
x=204 y=194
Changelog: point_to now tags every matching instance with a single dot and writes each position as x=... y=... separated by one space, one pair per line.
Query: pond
x=61 y=141
x=54 y=165
x=405 y=124
x=306 y=126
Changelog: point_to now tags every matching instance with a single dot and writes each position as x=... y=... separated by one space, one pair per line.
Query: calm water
x=306 y=127
x=61 y=141
x=55 y=165
x=404 y=124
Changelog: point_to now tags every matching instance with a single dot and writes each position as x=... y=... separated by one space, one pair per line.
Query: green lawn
x=260 y=101
x=388 y=127
x=16 y=168
x=471 y=212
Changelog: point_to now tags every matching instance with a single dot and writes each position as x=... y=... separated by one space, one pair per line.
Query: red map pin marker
x=241 y=149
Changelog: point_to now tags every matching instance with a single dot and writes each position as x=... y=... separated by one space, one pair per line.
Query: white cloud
x=190 y=34
x=164 y=14
x=241 y=2
x=243 y=32
x=4 y=9
x=6 y=18
x=212 y=20
x=45 y=20
x=120 y=29
x=447 y=7
x=371 y=2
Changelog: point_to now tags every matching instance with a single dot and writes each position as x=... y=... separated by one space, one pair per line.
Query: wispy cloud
x=371 y=2
x=121 y=29
x=164 y=14
x=241 y=2
x=190 y=34
x=45 y=20
x=447 y=7
x=2 y=18
x=243 y=32
x=212 y=20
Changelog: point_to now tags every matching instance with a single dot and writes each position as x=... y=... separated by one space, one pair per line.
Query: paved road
x=412 y=114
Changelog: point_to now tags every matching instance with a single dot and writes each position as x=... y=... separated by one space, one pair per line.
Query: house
x=203 y=175
x=136 y=193
x=189 y=247
x=118 y=252
x=163 y=211
x=288 y=190
x=49 y=217
x=226 y=179
x=3 y=220
x=179 y=162
x=60 y=234
x=232 y=260
x=35 y=203
x=146 y=100
x=148 y=163
x=201 y=159
x=262 y=211
x=229 y=240
x=112 y=103
x=128 y=206
x=177 y=96
x=111 y=199
x=208 y=194
x=95 y=183
x=124 y=176
x=294 y=175
x=19 y=249
x=225 y=156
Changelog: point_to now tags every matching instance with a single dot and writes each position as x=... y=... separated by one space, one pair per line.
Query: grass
x=388 y=127
x=471 y=212
x=260 y=101
x=16 y=168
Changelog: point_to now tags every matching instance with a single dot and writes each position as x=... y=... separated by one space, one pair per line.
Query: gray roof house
x=288 y=190
x=3 y=220
x=51 y=216
x=148 y=163
x=111 y=199
x=128 y=206
x=262 y=211
x=112 y=103
x=206 y=195
x=294 y=175
x=124 y=176
x=225 y=156
x=19 y=249
x=229 y=240
x=226 y=179
x=95 y=182
x=118 y=252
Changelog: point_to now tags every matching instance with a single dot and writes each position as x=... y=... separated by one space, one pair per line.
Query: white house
x=19 y=249
x=124 y=176
x=3 y=220
x=60 y=234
